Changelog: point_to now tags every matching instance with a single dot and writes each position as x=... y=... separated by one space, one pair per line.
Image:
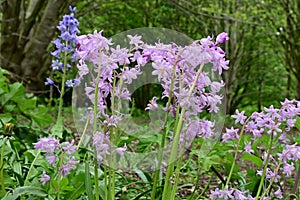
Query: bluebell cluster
x=66 y=42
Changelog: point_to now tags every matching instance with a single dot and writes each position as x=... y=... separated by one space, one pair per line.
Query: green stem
x=206 y=187
x=31 y=167
x=113 y=175
x=262 y=180
x=113 y=94
x=95 y=108
x=1 y=167
x=235 y=154
x=84 y=132
x=105 y=182
x=164 y=135
x=62 y=91
x=271 y=182
x=179 y=161
x=177 y=173
x=58 y=193
x=96 y=174
x=197 y=180
x=175 y=143
x=60 y=176
x=111 y=172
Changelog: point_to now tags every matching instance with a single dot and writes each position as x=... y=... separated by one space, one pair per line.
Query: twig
x=294 y=190
x=218 y=174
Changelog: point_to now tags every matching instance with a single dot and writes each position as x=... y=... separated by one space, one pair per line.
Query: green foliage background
x=259 y=75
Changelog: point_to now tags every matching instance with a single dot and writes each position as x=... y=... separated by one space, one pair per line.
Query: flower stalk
x=262 y=180
x=235 y=154
x=170 y=170
x=59 y=120
x=164 y=134
x=95 y=127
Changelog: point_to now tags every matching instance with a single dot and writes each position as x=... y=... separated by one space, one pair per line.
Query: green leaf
x=141 y=174
x=25 y=190
x=17 y=168
x=297 y=139
x=8 y=180
x=26 y=104
x=297 y=124
x=88 y=182
x=77 y=192
x=102 y=190
x=10 y=108
x=208 y=161
x=40 y=160
x=250 y=157
x=39 y=115
x=5 y=118
x=3 y=72
x=14 y=90
x=58 y=128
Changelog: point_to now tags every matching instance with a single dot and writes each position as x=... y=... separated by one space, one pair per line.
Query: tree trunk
x=33 y=62
x=10 y=54
x=298 y=88
x=27 y=30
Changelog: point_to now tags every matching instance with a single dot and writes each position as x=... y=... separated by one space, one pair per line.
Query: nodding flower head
x=221 y=38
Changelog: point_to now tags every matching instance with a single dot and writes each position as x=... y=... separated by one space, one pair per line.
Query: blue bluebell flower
x=66 y=42
x=49 y=82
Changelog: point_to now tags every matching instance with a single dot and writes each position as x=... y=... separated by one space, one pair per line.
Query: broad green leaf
x=40 y=116
x=32 y=152
x=33 y=173
x=3 y=72
x=39 y=161
x=15 y=90
x=17 y=168
x=209 y=161
x=5 y=118
x=10 y=108
x=64 y=184
x=250 y=157
x=58 y=128
x=8 y=181
x=77 y=192
x=26 y=103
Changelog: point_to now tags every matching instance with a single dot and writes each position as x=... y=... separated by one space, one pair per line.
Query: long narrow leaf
x=88 y=186
x=77 y=193
x=28 y=190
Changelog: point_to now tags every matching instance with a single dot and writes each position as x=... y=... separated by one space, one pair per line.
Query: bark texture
x=28 y=27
